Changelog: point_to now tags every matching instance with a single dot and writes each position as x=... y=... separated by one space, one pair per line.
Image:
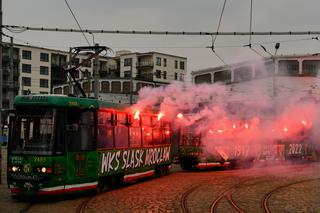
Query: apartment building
x=150 y=69
x=40 y=71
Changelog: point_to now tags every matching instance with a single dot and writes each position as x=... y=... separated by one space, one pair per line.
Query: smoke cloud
x=239 y=114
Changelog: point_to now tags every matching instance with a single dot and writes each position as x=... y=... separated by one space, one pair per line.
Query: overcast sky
x=169 y=15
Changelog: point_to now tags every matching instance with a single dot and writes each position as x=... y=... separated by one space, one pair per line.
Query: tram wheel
x=162 y=170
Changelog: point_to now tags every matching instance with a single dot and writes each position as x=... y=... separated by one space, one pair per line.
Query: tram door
x=81 y=145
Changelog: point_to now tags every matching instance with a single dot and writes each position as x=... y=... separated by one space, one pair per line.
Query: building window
x=175 y=76
x=26 y=54
x=87 y=63
x=75 y=61
x=44 y=92
x=310 y=67
x=116 y=87
x=181 y=76
x=44 y=70
x=105 y=87
x=204 y=78
x=164 y=74
x=222 y=76
x=158 y=61
x=181 y=65
x=44 y=57
x=164 y=62
x=26 y=81
x=44 y=83
x=57 y=90
x=66 y=90
x=288 y=68
x=26 y=92
x=127 y=62
x=158 y=73
x=242 y=74
x=26 y=68
x=176 y=64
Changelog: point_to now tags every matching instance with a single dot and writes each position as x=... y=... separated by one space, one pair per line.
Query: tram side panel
x=132 y=148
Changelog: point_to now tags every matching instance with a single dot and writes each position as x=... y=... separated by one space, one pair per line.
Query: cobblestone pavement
x=295 y=188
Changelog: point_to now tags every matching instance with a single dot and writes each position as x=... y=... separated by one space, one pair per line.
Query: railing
x=145 y=64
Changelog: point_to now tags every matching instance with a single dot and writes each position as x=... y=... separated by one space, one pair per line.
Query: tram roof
x=64 y=101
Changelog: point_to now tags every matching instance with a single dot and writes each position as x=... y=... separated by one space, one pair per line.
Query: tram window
x=105 y=130
x=146 y=130
x=59 y=132
x=80 y=130
x=34 y=131
x=121 y=131
x=135 y=133
x=166 y=133
x=156 y=131
x=189 y=137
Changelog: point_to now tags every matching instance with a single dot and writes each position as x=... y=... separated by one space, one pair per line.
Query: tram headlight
x=14 y=168
x=43 y=170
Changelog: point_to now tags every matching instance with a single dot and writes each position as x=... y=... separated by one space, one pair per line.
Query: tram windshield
x=34 y=131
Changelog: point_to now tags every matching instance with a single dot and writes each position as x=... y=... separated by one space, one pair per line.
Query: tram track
x=228 y=195
x=83 y=205
x=265 y=203
x=26 y=208
x=185 y=195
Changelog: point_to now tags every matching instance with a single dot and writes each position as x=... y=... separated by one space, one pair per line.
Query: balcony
x=144 y=77
x=6 y=57
x=9 y=85
x=113 y=68
x=6 y=72
x=142 y=64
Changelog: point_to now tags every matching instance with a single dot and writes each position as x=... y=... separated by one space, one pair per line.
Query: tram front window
x=34 y=131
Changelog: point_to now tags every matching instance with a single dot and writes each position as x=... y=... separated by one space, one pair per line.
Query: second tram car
x=194 y=153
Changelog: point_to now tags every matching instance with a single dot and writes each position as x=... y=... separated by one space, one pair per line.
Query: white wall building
x=281 y=77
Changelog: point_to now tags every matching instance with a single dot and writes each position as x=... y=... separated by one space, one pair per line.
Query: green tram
x=193 y=154
x=61 y=145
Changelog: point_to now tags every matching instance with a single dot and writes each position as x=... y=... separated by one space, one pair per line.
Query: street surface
x=285 y=188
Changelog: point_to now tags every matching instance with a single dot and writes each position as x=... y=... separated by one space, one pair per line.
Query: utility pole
x=1 y=85
x=12 y=87
x=88 y=76
x=131 y=83
x=69 y=66
x=96 y=74
x=274 y=70
x=273 y=57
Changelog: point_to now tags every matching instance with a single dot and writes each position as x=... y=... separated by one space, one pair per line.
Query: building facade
x=41 y=71
x=298 y=65
x=281 y=78
x=117 y=73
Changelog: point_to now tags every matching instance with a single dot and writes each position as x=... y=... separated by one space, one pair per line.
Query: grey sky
x=171 y=15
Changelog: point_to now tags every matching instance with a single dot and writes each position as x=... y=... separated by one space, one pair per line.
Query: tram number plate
x=295 y=149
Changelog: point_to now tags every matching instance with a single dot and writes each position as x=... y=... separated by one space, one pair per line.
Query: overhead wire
x=149 y=32
x=77 y=21
x=250 y=30
x=217 y=31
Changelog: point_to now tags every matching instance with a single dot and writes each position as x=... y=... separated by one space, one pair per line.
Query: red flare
x=137 y=115
x=180 y=116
